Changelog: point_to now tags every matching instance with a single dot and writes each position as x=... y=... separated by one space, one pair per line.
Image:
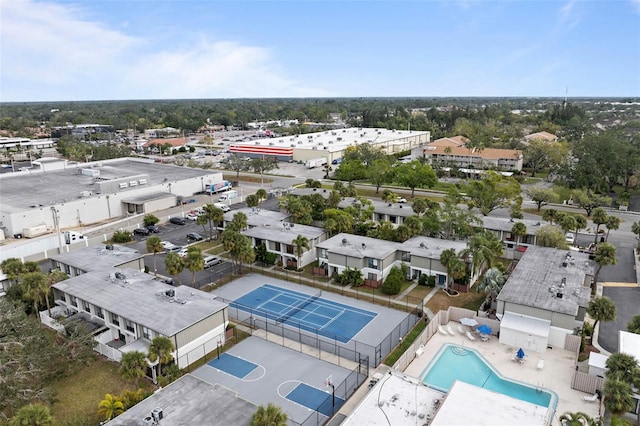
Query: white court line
x=264 y=370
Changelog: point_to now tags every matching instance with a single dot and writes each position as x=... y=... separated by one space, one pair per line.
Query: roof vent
x=344 y=241
x=364 y=246
x=170 y=293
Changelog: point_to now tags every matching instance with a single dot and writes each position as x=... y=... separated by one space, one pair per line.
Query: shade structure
x=469 y=322
x=520 y=353
x=484 y=329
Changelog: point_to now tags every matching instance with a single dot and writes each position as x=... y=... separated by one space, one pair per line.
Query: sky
x=147 y=49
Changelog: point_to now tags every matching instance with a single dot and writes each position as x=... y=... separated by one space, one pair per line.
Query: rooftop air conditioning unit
x=123 y=185
x=133 y=183
x=157 y=414
x=148 y=421
x=170 y=293
x=292 y=145
x=142 y=181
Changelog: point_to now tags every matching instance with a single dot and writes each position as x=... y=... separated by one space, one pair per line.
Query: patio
x=556 y=372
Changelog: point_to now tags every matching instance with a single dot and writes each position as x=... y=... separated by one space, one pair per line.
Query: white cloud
x=55 y=52
x=568 y=14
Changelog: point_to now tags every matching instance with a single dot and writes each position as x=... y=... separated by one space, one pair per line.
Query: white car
x=183 y=252
x=167 y=245
x=571 y=238
x=192 y=216
x=401 y=200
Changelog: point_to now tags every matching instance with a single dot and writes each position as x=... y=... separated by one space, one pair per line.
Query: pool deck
x=556 y=374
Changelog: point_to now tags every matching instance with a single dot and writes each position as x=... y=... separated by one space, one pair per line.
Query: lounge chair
x=442 y=331
x=461 y=329
x=592 y=398
x=540 y=365
x=450 y=330
x=484 y=337
x=470 y=336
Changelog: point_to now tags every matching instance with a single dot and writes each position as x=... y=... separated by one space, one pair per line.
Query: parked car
x=153 y=228
x=192 y=216
x=183 y=252
x=166 y=244
x=141 y=231
x=174 y=249
x=177 y=220
x=401 y=200
x=210 y=261
x=571 y=238
x=194 y=236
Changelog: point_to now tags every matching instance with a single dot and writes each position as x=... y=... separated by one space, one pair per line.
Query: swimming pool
x=454 y=362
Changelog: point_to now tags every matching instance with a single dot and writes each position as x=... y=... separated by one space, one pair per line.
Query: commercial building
x=80 y=194
x=330 y=144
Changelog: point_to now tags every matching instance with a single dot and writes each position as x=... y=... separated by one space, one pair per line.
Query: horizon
x=99 y=51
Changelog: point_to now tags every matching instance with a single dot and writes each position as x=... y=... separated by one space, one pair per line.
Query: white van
x=223 y=207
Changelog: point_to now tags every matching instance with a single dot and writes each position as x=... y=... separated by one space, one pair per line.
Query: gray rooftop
x=431 y=248
x=191 y=401
x=359 y=246
x=23 y=191
x=278 y=232
x=397 y=209
x=257 y=216
x=336 y=140
x=143 y=198
x=504 y=224
x=97 y=257
x=143 y=300
x=540 y=270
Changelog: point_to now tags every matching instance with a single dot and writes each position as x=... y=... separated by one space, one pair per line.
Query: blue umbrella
x=520 y=353
x=484 y=329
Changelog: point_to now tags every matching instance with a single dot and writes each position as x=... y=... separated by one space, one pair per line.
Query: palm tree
x=579 y=419
x=635 y=228
x=202 y=221
x=133 y=365
x=271 y=415
x=246 y=253
x=110 y=407
x=252 y=200
x=12 y=268
x=173 y=264
x=456 y=268
x=239 y=222
x=414 y=223
x=154 y=245
x=52 y=278
x=612 y=223
x=161 y=349
x=624 y=367
x=599 y=217
x=550 y=215
x=214 y=215
x=605 y=255
x=581 y=223
x=518 y=230
x=568 y=223
x=601 y=309
x=35 y=287
x=262 y=195
x=32 y=415
x=483 y=249
x=617 y=396
x=634 y=325
x=492 y=283
x=402 y=234
x=301 y=244
x=194 y=262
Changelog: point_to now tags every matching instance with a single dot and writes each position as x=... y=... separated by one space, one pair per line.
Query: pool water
x=453 y=363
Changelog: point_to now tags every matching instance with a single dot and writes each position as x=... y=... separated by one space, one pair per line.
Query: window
x=100 y=313
x=278 y=247
x=372 y=263
x=129 y=326
x=74 y=301
x=323 y=253
x=86 y=306
x=289 y=249
x=115 y=320
x=373 y=277
x=146 y=333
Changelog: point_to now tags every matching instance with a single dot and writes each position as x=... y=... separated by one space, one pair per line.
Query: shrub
x=393 y=283
x=422 y=280
x=121 y=236
x=431 y=281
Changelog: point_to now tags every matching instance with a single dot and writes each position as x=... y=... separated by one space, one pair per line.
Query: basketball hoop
x=328 y=381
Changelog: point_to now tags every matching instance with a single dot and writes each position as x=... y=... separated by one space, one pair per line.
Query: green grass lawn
x=79 y=393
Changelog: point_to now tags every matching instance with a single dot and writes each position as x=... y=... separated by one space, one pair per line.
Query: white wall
x=520 y=339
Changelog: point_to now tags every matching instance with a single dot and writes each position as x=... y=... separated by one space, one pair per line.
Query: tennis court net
x=298 y=307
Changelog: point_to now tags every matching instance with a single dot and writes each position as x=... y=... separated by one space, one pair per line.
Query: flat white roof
x=531 y=325
x=629 y=343
x=470 y=405
x=598 y=360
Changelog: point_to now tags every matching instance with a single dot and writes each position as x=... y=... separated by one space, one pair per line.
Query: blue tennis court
x=309 y=312
x=315 y=399
x=233 y=365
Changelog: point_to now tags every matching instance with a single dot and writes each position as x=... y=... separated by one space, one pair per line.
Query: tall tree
x=455 y=266
x=541 y=154
x=618 y=396
x=605 y=255
x=601 y=309
x=271 y=415
x=612 y=223
x=133 y=365
x=491 y=283
x=589 y=201
x=161 y=349
x=300 y=244
x=35 y=287
x=634 y=325
x=599 y=218
x=483 y=249
x=579 y=419
x=214 y=216
x=635 y=228
x=542 y=196
x=194 y=262
x=551 y=236
x=238 y=164
x=263 y=165
x=380 y=172
x=492 y=192
x=415 y=175
x=518 y=230
x=262 y=195
x=110 y=407
x=154 y=245
x=173 y=264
